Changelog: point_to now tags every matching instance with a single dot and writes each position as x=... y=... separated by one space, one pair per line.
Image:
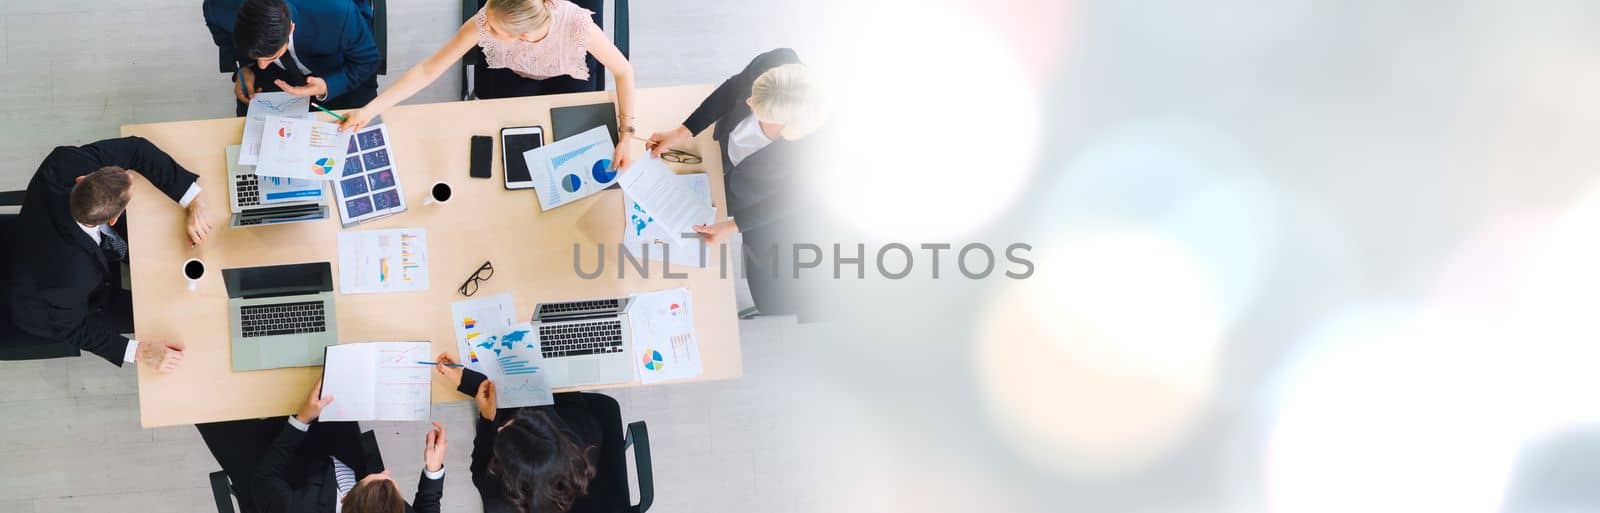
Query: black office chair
x=223 y=491
x=597 y=72
x=14 y=343
x=227 y=61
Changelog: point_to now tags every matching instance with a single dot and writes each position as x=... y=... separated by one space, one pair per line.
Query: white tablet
x=514 y=141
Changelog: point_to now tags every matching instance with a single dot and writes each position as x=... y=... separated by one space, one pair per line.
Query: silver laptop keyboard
x=569 y=307
x=581 y=338
x=249 y=193
x=283 y=319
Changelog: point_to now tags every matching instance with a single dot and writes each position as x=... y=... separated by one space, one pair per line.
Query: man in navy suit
x=318 y=48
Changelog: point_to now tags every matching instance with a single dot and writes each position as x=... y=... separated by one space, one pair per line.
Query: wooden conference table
x=532 y=252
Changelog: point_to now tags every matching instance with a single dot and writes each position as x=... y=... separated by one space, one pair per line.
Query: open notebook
x=377 y=381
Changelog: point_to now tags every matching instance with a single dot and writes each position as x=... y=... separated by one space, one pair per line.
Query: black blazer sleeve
x=90 y=335
x=270 y=486
x=219 y=16
x=735 y=90
x=143 y=157
x=482 y=450
x=429 y=492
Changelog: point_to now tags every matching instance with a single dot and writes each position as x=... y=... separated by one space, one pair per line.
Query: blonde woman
x=766 y=117
x=762 y=115
x=532 y=47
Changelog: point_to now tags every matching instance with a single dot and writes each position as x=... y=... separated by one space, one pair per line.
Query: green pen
x=330 y=113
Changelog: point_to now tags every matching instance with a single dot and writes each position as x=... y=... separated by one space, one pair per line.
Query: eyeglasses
x=483 y=274
x=680 y=157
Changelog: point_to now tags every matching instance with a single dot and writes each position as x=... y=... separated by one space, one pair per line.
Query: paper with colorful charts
x=369 y=184
x=664 y=342
x=301 y=148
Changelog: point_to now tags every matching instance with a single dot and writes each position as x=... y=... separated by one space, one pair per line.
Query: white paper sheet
x=664 y=344
x=513 y=361
x=476 y=321
x=675 y=207
x=573 y=168
x=301 y=148
x=374 y=261
x=637 y=228
x=268 y=104
x=378 y=381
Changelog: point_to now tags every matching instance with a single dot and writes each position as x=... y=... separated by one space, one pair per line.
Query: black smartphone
x=482 y=153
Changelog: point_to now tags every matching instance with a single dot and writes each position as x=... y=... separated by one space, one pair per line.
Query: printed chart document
x=369 y=184
x=674 y=206
x=273 y=189
x=573 y=168
x=638 y=230
x=478 y=320
x=375 y=261
x=513 y=361
x=664 y=345
x=301 y=148
x=377 y=381
x=283 y=105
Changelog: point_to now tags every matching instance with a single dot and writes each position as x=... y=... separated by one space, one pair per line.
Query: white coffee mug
x=193 y=270
x=439 y=194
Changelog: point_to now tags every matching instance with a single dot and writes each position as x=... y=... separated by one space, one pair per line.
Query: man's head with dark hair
x=374 y=494
x=261 y=30
x=100 y=197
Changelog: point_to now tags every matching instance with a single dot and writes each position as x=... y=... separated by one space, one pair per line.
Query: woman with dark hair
x=544 y=459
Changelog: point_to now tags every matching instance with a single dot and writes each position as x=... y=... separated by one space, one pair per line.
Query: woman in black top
x=545 y=459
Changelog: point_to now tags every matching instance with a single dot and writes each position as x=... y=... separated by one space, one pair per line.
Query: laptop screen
x=278 y=280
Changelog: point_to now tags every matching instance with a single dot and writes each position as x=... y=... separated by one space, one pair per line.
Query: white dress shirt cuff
x=132 y=352
x=188 y=196
x=433 y=475
x=298 y=425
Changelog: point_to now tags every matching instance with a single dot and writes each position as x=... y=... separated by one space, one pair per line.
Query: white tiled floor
x=74 y=72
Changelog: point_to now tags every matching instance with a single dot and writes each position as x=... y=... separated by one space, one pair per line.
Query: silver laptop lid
x=580 y=309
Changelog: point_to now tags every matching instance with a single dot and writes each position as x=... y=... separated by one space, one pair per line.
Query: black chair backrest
x=597 y=71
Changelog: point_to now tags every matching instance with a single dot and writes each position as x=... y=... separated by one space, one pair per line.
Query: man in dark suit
x=770 y=126
x=313 y=466
x=318 y=48
x=66 y=276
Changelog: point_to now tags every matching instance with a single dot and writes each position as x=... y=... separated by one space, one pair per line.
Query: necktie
x=113 y=245
x=291 y=70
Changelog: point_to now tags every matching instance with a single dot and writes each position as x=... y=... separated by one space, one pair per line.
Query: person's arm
x=219 y=21
x=483 y=448
x=609 y=56
x=416 y=78
x=141 y=156
x=361 y=56
x=430 y=488
x=268 y=484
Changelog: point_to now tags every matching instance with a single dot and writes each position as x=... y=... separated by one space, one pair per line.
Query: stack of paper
x=282 y=105
x=664 y=345
x=640 y=232
x=513 y=361
x=674 y=207
x=476 y=321
x=301 y=148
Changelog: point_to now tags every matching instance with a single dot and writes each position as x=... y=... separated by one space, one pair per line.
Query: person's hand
x=315 y=87
x=486 y=400
x=199 y=226
x=454 y=373
x=433 y=448
x=163 y=356
x=716 y=233
x=356 y=120
x=245 y=89
x=623 y=156
x=660 y=142
x=314 y=405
